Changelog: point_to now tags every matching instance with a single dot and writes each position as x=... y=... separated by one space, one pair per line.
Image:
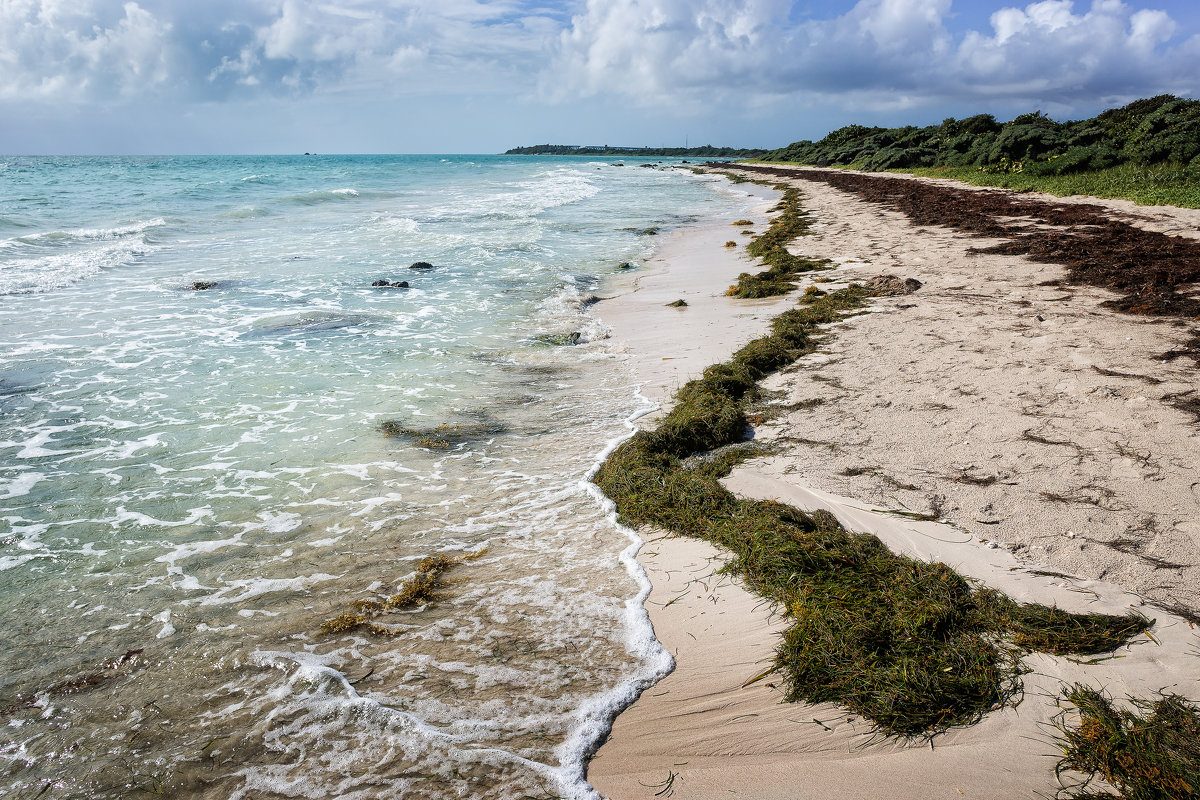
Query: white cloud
x=100 y=50
x=887 y=53
x=744 y=53
x=59 y=49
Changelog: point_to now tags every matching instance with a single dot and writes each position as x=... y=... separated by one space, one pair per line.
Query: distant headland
x=706 y=151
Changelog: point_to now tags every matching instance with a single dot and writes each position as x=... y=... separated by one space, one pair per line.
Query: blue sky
x=474 y=76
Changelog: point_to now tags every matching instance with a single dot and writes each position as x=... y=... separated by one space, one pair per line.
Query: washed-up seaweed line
x=1146 y=268
x=913 y=646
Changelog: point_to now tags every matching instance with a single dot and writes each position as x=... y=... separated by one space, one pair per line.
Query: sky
x=481 y=76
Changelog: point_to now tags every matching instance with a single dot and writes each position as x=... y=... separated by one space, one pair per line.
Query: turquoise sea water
x=192 y=481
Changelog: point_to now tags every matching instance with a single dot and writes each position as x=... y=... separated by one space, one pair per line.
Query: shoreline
x=699 y=731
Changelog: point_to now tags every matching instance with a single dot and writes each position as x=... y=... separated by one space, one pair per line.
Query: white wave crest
x=42 y=262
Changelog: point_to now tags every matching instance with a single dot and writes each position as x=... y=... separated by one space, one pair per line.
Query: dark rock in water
x=646 y=166
x=891 y=285
x=618 y=164
x=642 y=231
x=590 y=300
x=626 y=265
x=200 y=286
x=420 y=265
x=680 y=303
x=385 y=284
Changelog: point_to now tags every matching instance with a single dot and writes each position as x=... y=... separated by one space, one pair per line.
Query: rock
x=200 y=286
x=385 y=284
x=420 y=265
x=626 y=265
x=891 y=285
x=680 y=303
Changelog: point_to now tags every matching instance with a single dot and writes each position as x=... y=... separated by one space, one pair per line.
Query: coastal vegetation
x=1148 y=151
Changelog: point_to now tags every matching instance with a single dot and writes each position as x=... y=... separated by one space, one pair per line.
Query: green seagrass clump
x=420 y=589
x=912 y=646
x=770 y=247
x=1148 y=751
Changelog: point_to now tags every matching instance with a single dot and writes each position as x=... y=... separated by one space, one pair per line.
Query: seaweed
x=421 y=588
x=770 y=247
x=1150 y=271
x=1148 y=751
x=913 y=646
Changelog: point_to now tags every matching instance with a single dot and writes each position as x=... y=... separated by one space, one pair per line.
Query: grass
x=1156 y=185
x=770 y=247
x=911 y=645
x=1149 y=751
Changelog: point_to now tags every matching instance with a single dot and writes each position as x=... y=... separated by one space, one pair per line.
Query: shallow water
x=193 y=481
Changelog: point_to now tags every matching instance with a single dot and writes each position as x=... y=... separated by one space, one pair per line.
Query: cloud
x=79 y=51
x=657 y=53
x=883 y=53
x=96 y=49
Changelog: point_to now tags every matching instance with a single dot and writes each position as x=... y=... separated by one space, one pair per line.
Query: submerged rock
x=444 y=435
x=200 y=286
x=307 y=323
x=420 y=265
x=386 y=284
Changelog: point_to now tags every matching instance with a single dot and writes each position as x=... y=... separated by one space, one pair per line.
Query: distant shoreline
x=705 y=151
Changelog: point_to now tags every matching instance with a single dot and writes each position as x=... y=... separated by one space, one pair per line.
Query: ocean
x=216 y=436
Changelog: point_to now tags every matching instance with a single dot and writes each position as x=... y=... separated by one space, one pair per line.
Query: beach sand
x=1034 y=423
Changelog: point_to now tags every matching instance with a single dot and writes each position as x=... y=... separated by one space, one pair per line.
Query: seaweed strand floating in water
x=420 y=588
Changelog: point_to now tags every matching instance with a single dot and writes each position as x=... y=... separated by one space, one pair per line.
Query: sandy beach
x=1042 y=430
